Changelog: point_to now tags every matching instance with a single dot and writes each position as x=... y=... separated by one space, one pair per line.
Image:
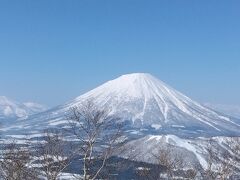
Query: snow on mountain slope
x=146 y=102
x=10 y=109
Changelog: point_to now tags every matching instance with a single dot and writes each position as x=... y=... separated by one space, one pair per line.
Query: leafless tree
x=53 y=155
x=171 y=161
x=191 y=174
x=98 y=135
x=234 y=146
x=16 y=163
x=230 y=159
x=224 y=167
x=219 y=161
x=209 y=172
x=167 y=162
x=152 y=173
x=143 y=172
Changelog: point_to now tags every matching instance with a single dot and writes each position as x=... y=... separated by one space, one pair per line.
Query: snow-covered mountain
x=155 y=114
x=148 y=104
x=10 y=109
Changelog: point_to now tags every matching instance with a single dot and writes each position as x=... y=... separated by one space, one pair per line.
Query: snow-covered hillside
x=194 y=152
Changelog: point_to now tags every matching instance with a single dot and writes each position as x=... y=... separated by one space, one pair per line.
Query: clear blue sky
x=53 y=51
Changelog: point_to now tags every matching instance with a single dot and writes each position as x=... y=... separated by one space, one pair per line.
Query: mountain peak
x=135 y=85
x=136 y=75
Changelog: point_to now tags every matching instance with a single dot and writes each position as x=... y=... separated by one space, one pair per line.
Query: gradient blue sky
x=53 y=51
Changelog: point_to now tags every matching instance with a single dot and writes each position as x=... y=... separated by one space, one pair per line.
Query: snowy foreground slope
x=155 y=114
